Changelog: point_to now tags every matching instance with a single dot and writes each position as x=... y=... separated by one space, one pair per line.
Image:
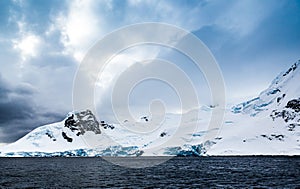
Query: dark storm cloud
x=3 y=89
x=18 y=112
x=13 y=103
x=24 y=89
x=15 y=109
x=14 y=129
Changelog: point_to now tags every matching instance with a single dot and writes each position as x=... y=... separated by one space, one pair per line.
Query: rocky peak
x=82 y=121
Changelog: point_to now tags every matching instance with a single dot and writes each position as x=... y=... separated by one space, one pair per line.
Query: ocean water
x=179 y=172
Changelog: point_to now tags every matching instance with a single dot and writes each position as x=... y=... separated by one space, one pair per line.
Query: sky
x=43 y=42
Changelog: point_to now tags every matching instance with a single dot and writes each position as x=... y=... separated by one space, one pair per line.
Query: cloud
x=28 y=45
x=14 y=105
x=82 y=23
x=26 y=42
x=79 y=26
x=18 y=112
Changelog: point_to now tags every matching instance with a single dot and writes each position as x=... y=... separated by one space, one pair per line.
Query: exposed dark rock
x=106 y=125
x=50 y=135
x=213 y=105
x=274 y=136
x=163 y=134
x=294 y=66
x=292 y=126
x=285 y=114
x=66 y=137
x=70 y=121
x=294 y=104
x=145 y=118
x=280 y=98
x=86 y=121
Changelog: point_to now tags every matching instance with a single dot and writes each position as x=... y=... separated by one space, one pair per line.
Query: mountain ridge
x=266 y=125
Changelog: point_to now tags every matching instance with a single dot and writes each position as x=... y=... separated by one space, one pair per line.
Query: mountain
x=67 y=138
x=266 y=125
x=81 y=134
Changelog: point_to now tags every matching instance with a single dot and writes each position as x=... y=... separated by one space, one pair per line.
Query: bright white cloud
x=28 y=45
x=82 y=23
x=80 y=26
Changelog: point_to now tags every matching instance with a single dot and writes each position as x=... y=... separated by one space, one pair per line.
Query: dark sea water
x=189 y=172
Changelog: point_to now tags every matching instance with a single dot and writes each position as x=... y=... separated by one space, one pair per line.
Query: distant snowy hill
x=266 y=125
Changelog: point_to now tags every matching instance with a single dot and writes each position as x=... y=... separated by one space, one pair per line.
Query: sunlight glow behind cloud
x=28 y=46
x=79 y=27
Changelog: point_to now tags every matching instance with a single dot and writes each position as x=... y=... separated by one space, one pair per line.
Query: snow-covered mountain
x=80 y=134
x=266 y=125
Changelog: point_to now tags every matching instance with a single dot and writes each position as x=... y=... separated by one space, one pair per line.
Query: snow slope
x=266 y=125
